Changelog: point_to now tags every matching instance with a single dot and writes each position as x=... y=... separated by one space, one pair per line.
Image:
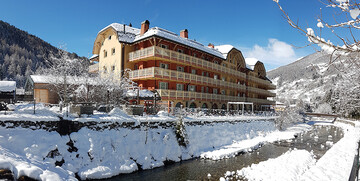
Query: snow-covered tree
x=63 y=75
x=336 y=32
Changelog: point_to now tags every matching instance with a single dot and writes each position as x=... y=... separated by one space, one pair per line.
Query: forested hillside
x=319 y=83
x=21 y=54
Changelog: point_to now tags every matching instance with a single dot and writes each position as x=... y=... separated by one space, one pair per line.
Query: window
x=207 y=74
x=105 y=53
x=180 y=69
x=202 y=89
x=207 y=89
x=193 y=71
x=164 y=66
x=215 y=76
x=163 y=46
x=239 y=94
x=110 y=37
x=216 y=62
x=223 y=79
x=180 y=51
x=113 y=68
x=195 y=54
x=113 y=51
x=215 y=91
x=223 y=92
x=224 y=64
x=163 y=85
x=180 y=87
x=192 y=88
x=136 y=67
x=203 y=73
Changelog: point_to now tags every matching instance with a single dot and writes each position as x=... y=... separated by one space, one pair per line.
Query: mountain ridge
x=22 y=54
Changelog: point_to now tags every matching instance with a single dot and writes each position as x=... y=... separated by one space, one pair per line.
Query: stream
x=318 y=140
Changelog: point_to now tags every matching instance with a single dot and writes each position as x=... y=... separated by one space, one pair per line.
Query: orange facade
x=186 y=73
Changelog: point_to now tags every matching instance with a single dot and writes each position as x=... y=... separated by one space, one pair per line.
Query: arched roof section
x=100 y=38
x=260 y=69
x=230 y=52
x=123 y=33
x=237 y=58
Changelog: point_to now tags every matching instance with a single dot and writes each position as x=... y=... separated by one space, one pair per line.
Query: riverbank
x=335 y=164
x=106 y=145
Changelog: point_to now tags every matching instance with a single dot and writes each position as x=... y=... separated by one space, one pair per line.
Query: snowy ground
x=102 y=154
x=336 y=164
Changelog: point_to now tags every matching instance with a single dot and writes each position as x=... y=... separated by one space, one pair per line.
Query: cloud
x=276 y=53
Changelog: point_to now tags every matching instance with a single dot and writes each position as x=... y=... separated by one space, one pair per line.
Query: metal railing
x=190 y=60
x=183 y=77
x=182 y=58
x=188 y=95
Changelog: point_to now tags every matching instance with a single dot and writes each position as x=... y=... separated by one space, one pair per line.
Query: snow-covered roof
x=7 y=86
x=224 y=49
x=142 y=93
x=132 y=35
x=250 y=63
x=48 y=79
x=156 y=31
x=126 y=36
x=94 y=56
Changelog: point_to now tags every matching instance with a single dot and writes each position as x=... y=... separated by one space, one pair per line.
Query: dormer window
x=163 y=46
x=180 y=51
x=109 y=37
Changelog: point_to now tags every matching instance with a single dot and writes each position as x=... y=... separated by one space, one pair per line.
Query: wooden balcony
x=261 y=91
x=181 y=58
x=94 y=68
x=268 y=84
x=157 y=72
x=188 y=95
x=261 y=101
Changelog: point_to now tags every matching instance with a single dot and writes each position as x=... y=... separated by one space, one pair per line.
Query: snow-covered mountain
x=316 y=80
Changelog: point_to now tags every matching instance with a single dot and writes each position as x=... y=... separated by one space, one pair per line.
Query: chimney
x=130 y=25
x=184 y=33
x=144 y=27
x=210 y=45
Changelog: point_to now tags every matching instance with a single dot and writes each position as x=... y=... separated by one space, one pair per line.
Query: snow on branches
x=343 y=23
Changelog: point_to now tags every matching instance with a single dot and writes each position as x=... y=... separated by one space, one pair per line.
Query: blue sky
x=255 y=27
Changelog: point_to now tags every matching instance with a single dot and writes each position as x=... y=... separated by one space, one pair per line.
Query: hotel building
x=182 y=71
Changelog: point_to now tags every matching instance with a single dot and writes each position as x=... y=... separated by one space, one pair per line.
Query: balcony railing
x=261 y=91
x=182 y=58
x=268 y=84
x=183 y=77
x=189 y=60
x=188 y=95
x=260 y=101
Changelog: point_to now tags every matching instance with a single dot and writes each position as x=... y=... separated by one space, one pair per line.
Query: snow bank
x=102 y=154
x=205 y=138
x=288 y=166
x=25 y=112
x=25 y=152
x=250 y=144
x=337 y=162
